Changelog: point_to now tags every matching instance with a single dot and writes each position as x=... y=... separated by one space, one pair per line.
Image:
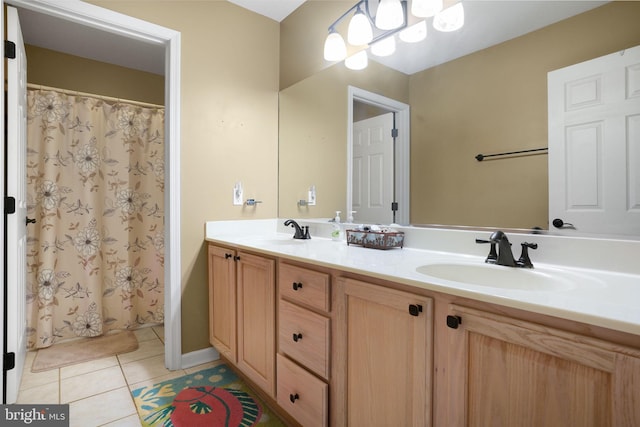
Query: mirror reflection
x=490 y=101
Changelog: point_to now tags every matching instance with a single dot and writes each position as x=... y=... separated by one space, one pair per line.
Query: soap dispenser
x=336 y=233
x=350 y=217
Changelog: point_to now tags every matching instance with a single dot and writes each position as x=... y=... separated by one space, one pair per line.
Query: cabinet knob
x=227 y=256
x=297 y=337
x=236 y=258
x=294 y=397
x=415 y=309
x=454 y=321
x=297 y=285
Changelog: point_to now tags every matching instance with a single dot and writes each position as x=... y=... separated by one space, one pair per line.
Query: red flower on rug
x=214 y=406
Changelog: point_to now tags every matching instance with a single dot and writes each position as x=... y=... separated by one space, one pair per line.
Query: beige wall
x=229 y=127
x=494 y=101
x=56 y=69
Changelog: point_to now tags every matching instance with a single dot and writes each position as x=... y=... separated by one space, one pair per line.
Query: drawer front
x=304 y=336
x=304 y=286
x=302 y=395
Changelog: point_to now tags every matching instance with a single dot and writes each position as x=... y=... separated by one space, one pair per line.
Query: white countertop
x=596 y=296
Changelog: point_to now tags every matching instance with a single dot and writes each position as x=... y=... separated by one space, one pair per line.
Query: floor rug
x=211 y=397
x=83 y=350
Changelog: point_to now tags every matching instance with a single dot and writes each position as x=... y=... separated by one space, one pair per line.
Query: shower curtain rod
x=92 y=95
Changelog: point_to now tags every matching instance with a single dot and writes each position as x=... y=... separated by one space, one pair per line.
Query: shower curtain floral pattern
x=95 y=179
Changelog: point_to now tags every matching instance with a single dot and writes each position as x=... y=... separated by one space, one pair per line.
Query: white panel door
x=16 y=187
x=594 y=144
x=373 y=170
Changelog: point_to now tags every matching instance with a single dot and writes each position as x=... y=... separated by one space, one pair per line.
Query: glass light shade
x=359 y=32
x=357 y=61
x=426 y=8
x=450 y=19
x=415 y=33
x=384 y=47
x=390 y=15
x=334 y=47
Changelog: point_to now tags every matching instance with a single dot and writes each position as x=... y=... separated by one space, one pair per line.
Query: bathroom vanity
x=341 y=335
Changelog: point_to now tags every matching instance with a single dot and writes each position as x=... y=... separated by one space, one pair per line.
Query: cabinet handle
x=415 y=309
x=297 y=337
x=294 y=397
x=297 y=285
x=454 y=321
x=236 y=258
x=227 y=256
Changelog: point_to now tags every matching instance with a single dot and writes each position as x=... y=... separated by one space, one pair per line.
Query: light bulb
x=384 y=47
x=390 y=15
x=357 y=61
x=415 y=33
x=334 y=47
x=425 y=8
x=450 y=19
x=359 y=32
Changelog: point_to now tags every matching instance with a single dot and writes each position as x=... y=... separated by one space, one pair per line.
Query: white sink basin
x=279 y=241
x=497 y=276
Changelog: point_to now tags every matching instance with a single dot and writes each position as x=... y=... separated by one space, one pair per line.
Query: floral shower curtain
x=95 y=179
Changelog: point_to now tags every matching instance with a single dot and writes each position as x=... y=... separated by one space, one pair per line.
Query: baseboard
x=199 y=357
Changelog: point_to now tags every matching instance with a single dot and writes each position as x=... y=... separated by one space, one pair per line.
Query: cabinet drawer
x=302 y=395
x=305 y=286
x=304 y=336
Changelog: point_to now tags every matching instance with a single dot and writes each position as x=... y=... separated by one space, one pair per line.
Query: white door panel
x=373 y=170
x=16 y=187
x=594 y=144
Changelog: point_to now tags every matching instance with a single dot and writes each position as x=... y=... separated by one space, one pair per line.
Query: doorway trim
x=126 y=26
x=402 y=147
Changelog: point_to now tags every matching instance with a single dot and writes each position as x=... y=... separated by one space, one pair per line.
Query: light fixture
x=390 y=15
x=450 y=19
x=426 y=8
x=360 y=31
x=384 y=47
x=415 y=33
x=357 y=61
x=378 y=30
x=334 y=47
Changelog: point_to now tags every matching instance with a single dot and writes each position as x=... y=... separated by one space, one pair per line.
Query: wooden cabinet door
x=222 y=301
x=256 y=319
x=387 y=341
x=506 y=372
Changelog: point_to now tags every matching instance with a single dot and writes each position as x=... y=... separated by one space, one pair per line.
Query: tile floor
x=99 y=392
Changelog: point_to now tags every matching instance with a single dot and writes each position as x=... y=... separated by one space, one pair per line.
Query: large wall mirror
x=490 y=101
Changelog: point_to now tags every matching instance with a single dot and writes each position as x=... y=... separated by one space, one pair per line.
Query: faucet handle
x=492 y=258
x=524 y=260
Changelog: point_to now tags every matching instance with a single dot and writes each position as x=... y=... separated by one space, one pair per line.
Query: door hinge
x=10 y=205
x=9 y=49
x=394 y=133
x=8 y=361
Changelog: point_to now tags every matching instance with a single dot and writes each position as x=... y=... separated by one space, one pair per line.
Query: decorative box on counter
x=376 y=239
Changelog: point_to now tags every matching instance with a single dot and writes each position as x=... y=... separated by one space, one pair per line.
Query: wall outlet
x=238 y=194
x=311 y=199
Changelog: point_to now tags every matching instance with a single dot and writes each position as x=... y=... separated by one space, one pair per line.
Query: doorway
x=401 y=149
x=108 y=23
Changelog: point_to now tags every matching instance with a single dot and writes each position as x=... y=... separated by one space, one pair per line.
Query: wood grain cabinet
x=508 y=372
x=304 y=337
x=242 y=312
x=387 y=340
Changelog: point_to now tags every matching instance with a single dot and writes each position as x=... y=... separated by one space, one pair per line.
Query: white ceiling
x=487 y=22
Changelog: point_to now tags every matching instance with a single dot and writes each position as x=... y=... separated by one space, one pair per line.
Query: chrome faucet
x=504 y=255
x=299 y=233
